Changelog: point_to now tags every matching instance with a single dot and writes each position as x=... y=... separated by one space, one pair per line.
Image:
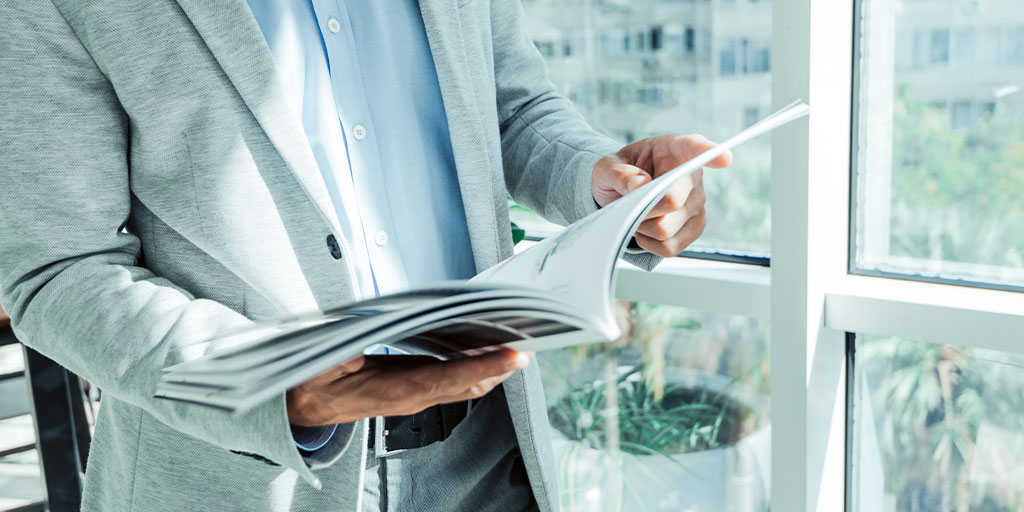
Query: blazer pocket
x=162 y=180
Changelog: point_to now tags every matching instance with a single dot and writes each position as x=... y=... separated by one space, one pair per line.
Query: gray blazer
x=156 y=190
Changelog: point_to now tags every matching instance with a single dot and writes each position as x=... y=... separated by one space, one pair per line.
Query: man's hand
x=369 y=386
x=679 y=218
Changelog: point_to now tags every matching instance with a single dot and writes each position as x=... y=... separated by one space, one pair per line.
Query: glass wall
x=648 y=67
x=939 y=153
x=936 y=428
x=940 y=140
x=675 y=416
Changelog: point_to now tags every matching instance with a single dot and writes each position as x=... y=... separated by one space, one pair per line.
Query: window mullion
x=811 y=52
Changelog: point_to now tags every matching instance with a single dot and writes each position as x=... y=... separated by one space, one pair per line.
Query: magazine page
x=554 y=294
x=297 y=337
x=472 y=327
x=578 y=264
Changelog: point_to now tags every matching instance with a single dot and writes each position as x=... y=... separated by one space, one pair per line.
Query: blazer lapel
x=469 y=144
x=235 y=39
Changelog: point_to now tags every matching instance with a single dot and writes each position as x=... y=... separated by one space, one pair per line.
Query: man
x=173 y=170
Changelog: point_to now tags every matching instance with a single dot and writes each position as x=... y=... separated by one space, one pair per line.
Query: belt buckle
x=380 y=448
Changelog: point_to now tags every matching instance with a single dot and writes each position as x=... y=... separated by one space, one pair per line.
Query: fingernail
x=520 y=361
x=634 y=182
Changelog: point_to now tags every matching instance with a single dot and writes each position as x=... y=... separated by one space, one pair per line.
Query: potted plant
x=631 y=433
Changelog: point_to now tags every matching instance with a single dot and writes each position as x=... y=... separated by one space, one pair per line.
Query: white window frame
x=817 y=301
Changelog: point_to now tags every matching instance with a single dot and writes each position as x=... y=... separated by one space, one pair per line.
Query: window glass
x=940 y=141
x=940 y=46
x=638 y=69
x=11 y=359
x=675 y=416
x=20 y=483
x=936 y=427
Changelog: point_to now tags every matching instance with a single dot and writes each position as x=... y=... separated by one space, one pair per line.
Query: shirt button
x=332 y=245
x=380 y=238
x=359 y=132
x=333 y=25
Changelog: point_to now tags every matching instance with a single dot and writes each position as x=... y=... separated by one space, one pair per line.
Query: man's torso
x=228 y=203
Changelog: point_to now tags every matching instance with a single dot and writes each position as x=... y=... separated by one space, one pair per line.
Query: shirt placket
x=365 y=173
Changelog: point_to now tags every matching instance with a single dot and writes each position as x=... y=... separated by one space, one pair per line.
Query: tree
x=957 y=192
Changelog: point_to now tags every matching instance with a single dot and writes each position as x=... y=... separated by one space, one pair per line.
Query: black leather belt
x=424 y=428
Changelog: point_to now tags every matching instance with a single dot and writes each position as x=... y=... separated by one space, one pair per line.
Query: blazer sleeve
x=548 y=149
x=70 y=274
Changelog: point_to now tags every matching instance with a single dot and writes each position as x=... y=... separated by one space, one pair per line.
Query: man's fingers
x=664 y=227
x=671 y=224
x=622 y=177
x=653 y=246
x=614 y=178
x=432 y=382
x=629 y=178
x=402 y=385
x=351 y=366
x=682 y=239
x=685 y=147
x=686 y=194
x=478 y=389
x=485 y=386
x=459 y=375
x=413 y=389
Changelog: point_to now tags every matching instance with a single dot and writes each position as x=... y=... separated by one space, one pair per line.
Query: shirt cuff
x=311 y=439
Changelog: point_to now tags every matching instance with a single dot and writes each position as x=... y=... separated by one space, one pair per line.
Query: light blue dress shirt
x=361 y=77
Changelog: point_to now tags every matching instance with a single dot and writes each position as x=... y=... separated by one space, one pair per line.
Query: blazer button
x=332 y=244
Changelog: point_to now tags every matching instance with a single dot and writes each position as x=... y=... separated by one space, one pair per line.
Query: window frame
x=855 y=160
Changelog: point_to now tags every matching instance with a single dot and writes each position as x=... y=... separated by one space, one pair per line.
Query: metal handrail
x=38 y=506
x=62 y=430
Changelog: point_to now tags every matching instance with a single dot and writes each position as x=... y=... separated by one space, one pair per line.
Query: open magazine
x=558 y=292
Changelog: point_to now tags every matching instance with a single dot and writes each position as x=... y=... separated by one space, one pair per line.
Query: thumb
x=614 y=178
x=352 y=365
x=635 y=181
x=625 y=178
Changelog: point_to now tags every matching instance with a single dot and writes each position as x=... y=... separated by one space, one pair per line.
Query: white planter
x=735 y=478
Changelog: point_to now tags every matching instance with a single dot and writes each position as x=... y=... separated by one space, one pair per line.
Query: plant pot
x=732 y=478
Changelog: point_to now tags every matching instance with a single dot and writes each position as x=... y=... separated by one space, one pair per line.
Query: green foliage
x=647 y=317
x=515 y=208
x=957 y=192
x=636 y=410
x=935 y=399
x=686 y=420
x=518 y=234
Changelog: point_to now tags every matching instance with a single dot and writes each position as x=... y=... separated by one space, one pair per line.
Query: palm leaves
x=935 y=398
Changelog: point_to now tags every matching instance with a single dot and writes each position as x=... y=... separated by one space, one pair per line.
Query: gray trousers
x=478 y=468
